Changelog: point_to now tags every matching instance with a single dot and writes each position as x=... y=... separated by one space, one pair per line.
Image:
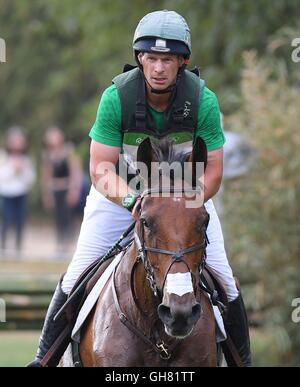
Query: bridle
x=177 y=256
x=163 y=349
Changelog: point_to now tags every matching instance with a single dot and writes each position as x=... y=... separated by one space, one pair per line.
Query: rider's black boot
x=236 y=324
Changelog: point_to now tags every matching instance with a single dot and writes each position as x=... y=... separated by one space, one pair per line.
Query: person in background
x=17 y=176
x=62 y=178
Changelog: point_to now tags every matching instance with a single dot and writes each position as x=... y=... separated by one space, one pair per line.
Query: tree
x=262 y=210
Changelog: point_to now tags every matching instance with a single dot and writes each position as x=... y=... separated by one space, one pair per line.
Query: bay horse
x=152 y=311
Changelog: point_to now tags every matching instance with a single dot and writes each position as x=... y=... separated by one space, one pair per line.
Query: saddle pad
x=93 y=297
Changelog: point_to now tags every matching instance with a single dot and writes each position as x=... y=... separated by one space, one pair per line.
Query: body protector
x=181 y=116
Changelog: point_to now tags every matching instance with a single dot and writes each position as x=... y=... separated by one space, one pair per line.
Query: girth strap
x=77 y=362
x=208 y=286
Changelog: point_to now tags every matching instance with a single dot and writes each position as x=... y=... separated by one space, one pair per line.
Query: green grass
x=17 y=348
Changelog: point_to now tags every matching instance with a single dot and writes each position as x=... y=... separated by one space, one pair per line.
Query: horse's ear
x=145 y=154
x=198 y=155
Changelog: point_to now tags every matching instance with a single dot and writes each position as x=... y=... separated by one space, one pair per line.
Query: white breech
x=103 y=224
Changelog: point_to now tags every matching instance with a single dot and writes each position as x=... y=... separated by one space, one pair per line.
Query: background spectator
x=62 y=178
x=17 y=175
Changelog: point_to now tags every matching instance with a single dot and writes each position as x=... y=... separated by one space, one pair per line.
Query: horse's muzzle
x=179 y=319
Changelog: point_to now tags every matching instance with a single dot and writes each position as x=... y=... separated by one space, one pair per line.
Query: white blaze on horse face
x=179 y=284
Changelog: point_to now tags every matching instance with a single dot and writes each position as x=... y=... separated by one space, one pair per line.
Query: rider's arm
x=103 y=159
x=210 y=130
x=213 y=174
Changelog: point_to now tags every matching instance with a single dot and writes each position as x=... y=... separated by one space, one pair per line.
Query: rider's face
x=160 y=70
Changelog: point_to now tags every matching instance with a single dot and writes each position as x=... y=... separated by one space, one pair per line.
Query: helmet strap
x=169 y=89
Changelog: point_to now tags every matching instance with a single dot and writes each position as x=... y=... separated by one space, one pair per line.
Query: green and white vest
x=180 y=117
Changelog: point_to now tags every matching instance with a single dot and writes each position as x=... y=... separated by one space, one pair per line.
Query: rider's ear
x=198 y=155
x=181 y=60
x=140 y=57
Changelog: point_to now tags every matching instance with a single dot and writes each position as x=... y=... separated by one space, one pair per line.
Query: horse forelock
x=165 y=151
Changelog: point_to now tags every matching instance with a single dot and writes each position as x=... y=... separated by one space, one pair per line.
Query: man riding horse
x=157 y=98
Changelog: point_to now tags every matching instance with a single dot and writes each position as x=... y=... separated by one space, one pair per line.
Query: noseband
x=177 y=256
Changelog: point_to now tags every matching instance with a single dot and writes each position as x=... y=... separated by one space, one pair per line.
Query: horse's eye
x=145 y=223
x=148 y=223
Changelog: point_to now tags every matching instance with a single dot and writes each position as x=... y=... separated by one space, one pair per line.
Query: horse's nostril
x=164 y=313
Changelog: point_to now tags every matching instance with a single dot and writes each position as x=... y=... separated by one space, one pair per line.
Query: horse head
x=171 y=234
